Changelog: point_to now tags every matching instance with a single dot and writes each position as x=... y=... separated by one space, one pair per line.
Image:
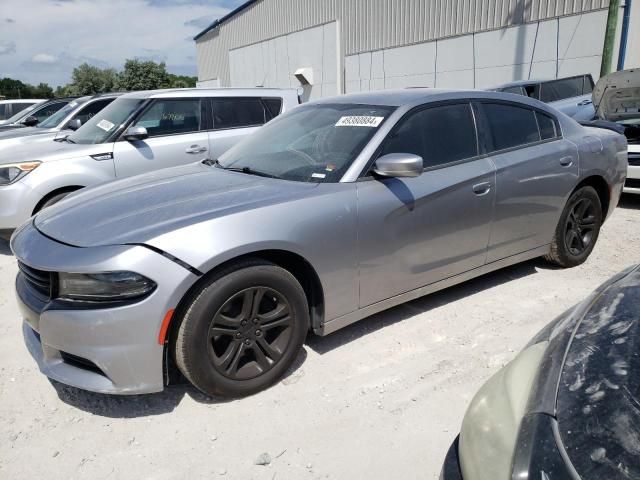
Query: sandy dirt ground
x=381 y=399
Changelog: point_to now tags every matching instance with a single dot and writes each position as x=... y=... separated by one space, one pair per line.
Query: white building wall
x=272 y=63
x=559 y=47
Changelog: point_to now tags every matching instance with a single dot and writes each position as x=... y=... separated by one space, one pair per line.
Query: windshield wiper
x=247 y=170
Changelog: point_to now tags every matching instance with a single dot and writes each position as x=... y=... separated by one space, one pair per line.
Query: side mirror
x=30 y=121
x=399 y=165
x=74 y=124
x=135 y=133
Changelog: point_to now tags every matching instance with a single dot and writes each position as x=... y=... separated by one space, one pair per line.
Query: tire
x=578 y=229
x=242 y=329
x=51 y=201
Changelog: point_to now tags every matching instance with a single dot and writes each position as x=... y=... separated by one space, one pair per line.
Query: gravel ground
x=380 y=399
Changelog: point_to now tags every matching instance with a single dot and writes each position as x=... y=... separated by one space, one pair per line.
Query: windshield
x=314 y=143
x=57 y=118
x=102 y=125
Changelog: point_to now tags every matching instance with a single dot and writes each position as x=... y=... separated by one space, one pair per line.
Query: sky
x=43 y=40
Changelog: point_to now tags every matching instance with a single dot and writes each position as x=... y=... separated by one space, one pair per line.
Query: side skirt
x=341 y=322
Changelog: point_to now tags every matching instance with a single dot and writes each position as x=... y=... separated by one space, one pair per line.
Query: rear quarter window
x=238 y=112
x=510 y=126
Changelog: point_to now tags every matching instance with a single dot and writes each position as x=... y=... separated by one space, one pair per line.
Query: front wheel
x=242 y=329
x=578 y=229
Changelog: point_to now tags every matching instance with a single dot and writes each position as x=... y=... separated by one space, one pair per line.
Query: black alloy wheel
x=250 y=333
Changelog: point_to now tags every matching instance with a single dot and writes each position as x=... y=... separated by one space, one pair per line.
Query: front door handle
x=196 y=149
x=482 y=188
x=566 y=161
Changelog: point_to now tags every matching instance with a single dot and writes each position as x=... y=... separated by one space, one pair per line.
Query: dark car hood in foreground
x=598 y=403
x=137 y=209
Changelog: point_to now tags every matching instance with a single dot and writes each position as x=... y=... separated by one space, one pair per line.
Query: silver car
x=330 y=213
x=137 y=133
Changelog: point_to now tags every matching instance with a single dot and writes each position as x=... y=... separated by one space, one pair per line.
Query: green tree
x=143 y=75
x=12 y=88
x=89 y=80
x=182 y=81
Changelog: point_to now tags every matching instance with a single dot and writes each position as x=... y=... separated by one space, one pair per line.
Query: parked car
x=330 y=213
x=616 y=99
x=570 y=95
x=567 y=406
x=31 y=116
x=58 y=126
x=139 y=132
x=9 y=108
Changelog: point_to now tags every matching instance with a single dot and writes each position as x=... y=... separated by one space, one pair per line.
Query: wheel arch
x=600 y=185
x=57 y=191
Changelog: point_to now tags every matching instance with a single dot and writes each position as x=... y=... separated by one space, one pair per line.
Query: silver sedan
x=330 y=213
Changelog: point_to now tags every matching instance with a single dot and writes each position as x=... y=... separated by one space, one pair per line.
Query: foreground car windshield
x=102 y=125
x=317 y=143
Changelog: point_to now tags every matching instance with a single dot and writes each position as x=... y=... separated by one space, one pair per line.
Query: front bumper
x=17 y=202
x=632 y=184
x=108 y=350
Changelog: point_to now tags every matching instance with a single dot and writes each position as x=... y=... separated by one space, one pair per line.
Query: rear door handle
x=196 y=149
x=482 y=188
x=566 y=161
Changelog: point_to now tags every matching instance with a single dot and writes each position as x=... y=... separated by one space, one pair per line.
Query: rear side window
x=90 y=110
x=515 y=90
x=171 y=117
x=588 y=85
x=439 y=135
x=273 y=107
x=4 y=111
x=561 y=89
x=510 y=126
x=238 y=112
x=547 y=126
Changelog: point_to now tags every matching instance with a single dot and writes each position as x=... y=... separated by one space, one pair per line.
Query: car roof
x=417 y=96
x=23 y=100
x=210 y=92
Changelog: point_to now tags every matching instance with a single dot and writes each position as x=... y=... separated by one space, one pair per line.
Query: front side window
x=510 y=125
x=561 y=89
x=102 y=125
x=439 y=135
x=171 y=117
x=86 y=113
x=238 y=112
x=315 y=143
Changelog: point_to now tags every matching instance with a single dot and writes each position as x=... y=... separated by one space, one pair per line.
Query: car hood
x=617 y=96
x=45 y=149
x=138 y=209
x=25 y=132
x=598 y=402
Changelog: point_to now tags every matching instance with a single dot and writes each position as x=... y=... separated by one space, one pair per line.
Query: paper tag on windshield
x=105 y=125
x=360 y=121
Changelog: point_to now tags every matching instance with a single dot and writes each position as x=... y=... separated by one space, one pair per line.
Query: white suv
x=138 y=132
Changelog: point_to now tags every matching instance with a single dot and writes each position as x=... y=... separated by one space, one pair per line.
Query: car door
x=233 y=119
x=176 y=137
x=416 y=231
x=535 y=171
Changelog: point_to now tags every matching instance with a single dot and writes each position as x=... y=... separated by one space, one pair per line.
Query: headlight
x=15 y=171
x=103 y=287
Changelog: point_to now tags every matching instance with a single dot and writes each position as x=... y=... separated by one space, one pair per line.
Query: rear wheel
x=242 y=329
x=578 y=229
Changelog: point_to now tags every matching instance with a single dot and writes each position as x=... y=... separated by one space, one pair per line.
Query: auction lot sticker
x=360 y=121
x=105 y=125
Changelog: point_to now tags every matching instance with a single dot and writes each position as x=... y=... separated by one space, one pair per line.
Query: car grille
x=38 y=280
x=634 y=159
x=632 y=183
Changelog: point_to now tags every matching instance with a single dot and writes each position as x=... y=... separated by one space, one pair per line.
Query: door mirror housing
x=134 y=134
x=74 y=124
x=399 y=165
x=30 y=121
